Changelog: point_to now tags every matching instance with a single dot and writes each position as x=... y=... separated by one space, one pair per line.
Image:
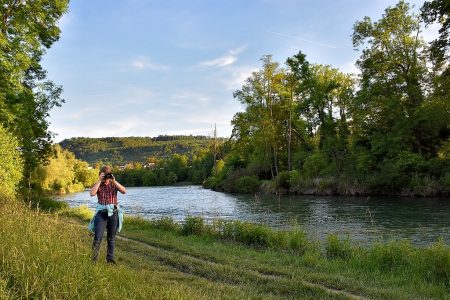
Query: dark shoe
x=111 y=262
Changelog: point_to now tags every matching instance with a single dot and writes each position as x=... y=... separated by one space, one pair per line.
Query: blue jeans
x=100 y=222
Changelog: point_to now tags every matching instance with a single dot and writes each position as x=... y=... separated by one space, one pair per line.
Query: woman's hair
x=105 y=169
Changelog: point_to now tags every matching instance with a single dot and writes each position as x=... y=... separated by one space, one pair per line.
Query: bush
x=253 y=234
x=193 y=225
x=409 y=163
x=436 y=262
x=212 y=183
x=394 y=254
x=247 y=184
x=445 y=180
x=166 y=223
x=287 y=179
x=298 y=241
x=314 y=165
x=338 y=249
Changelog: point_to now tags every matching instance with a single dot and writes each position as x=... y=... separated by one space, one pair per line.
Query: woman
x=107 y=214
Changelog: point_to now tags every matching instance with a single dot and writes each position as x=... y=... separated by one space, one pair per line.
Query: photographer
x=108 y=214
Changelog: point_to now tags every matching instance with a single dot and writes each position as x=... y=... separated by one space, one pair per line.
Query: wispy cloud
x=189 y=98
x=225 y=60
x=144 y=63
x=237 y=76
x=302 y=39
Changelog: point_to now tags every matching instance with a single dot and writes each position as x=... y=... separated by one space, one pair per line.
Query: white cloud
x=144 y=63
x=189 y=97
x=225 y=60
x=237 y=77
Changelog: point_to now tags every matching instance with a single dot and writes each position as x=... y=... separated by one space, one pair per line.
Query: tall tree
x=438 y=11
x=393 y=77
x=262 y=126
x=27 y=29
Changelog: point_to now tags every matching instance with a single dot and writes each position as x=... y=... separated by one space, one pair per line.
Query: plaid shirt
x=107 y=194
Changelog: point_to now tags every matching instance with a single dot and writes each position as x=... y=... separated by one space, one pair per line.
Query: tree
x=322 y=96
x=27 y=29
x=11 y=165
x=260 y=129
x=438 y=11
x=392 y=83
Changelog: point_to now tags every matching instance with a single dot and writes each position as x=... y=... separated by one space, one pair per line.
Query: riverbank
x=293 y=184
x=47 y=255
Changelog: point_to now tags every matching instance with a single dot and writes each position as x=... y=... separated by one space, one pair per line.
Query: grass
x=47 y=256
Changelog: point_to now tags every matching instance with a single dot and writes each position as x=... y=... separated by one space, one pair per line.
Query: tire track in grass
x=264 y=271
x=261 y=279
x=275 y=284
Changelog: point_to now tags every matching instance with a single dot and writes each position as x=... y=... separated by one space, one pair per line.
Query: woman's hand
x=101 y=176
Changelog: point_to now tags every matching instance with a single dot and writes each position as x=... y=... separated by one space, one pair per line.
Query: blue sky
x=144 y=68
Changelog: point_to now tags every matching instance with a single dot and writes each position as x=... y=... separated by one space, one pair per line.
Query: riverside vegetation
x=194 y=260
x=312 y=129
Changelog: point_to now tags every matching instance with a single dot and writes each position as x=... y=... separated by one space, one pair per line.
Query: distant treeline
x=170 y=170
x=122 y=150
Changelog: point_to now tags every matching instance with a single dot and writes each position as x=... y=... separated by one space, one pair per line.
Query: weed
x=338 y=248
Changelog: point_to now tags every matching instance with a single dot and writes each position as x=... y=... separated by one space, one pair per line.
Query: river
x=362 y=219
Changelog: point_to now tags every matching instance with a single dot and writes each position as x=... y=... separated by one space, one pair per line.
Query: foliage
x=27 y=29
x=438 y=11
x=11 y=164
x=247 y=184
x=393 y=255
x=383 y=132
x=64 y=173
x=337 y=248
x=123 y=150
x=193 y=225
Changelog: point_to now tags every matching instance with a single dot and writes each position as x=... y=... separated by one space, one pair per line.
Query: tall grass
x=43 y=257
x=429 y=264
x=254 y=235
x=40 y=260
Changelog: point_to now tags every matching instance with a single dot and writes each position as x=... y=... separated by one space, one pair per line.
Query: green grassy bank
x=47 y=255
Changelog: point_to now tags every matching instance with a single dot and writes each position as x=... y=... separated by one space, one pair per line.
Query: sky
x=149 y=68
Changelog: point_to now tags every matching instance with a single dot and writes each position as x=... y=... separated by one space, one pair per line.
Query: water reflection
x=364 y=219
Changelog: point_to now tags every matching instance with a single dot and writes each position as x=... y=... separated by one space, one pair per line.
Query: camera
x=108 y=175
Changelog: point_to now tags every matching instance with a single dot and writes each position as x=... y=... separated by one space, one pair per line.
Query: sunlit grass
x=48 y=256
x=82 y=213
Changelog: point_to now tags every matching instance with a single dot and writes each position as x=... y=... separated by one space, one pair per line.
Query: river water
x=362 y=219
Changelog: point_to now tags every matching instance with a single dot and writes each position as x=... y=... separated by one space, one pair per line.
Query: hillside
x=120 y=150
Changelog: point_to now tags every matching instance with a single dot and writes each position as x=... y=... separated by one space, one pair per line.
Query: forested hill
x=120 y=150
